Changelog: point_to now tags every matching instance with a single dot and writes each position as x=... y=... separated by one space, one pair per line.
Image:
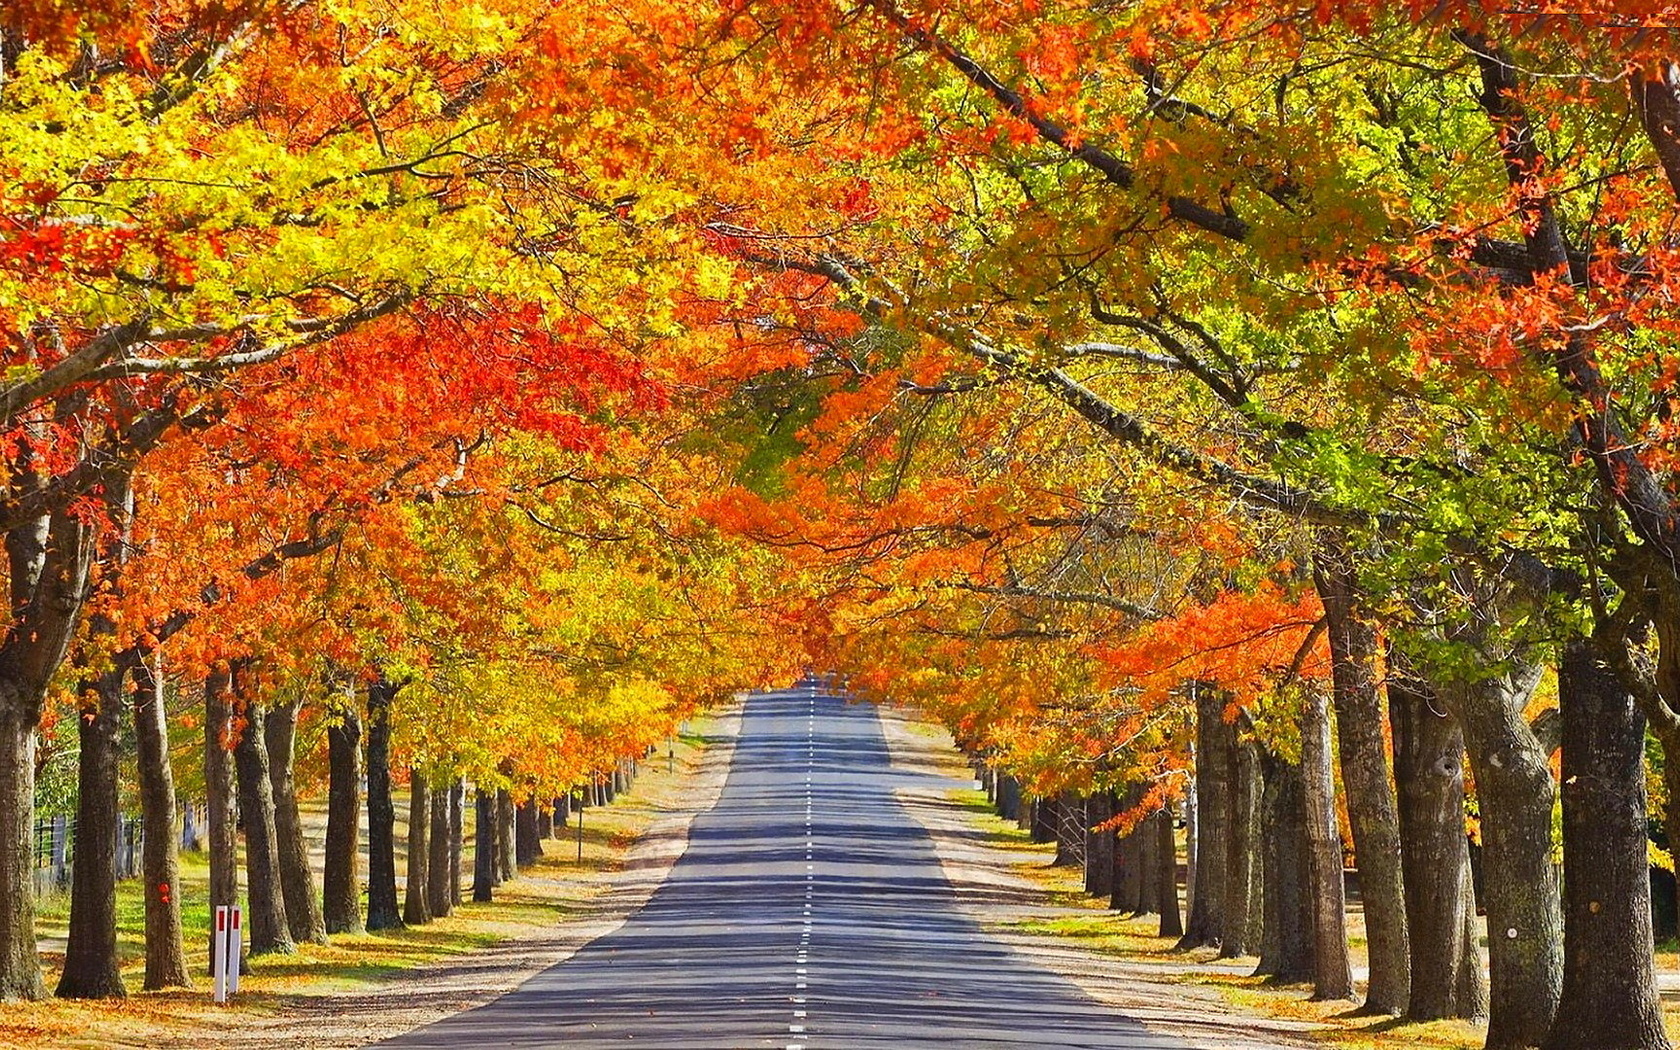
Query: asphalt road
x=809 y=912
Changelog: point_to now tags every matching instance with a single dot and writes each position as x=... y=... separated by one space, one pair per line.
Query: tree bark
x=166 y=955
x=1373 y=814
x=1148 y=862
x=1286 y=943
x=91 y=970
x=1242 y=903
x=297 y=882
x=562 y=813
x=1126 y=891
x=1167 y=891
x=1099 y=846
x=417 y=893
x=1609 y=999
x=265 y=921
x=383 y=912
x=1524 y=911
x=49 y=561
x=1215 y=740
x=506 y=858
x=1332 y=972
x=341 y=895
x=457 y=791
x=220 y=739
x=1043 y=820
x=1070 y=830
x=440 y=900
x=484 y=845
x=1446 y=967
x=527 y=840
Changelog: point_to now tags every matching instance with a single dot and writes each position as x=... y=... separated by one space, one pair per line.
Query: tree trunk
x=1372 y=812
x=49 y=561
x=91 y=970
x=1446 y=967
x=1099 y=846
x=382 y=910
x=545 y=825
x=439 y=899
x=1326 y=896
x=297 y=882
x=1242 y=903
x=1070 y=830
x=1609 y=998
x=341 y=895
x=506 y=858
x=1148 y=862
x=265 y=920
x=1166 y=847
x=1009 y=797
x=562 y=813
x=527 y=841
x=1286 y=942
x=484 y=845
x=1215 y=740
x=1524 y=912
x=1128 y=867
x=457 y=792
x=220 y=739
x=417 y=893
x=1044 y=820
x=166 y=955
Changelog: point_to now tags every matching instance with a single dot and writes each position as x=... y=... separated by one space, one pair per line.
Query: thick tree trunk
x=545 y=825
x=1524 y=912
x=1070 y=830
x=1127 y=890
x=1149 y=862
x=440 y=900
x=297 y=882
x=1043 y=820
x=484 y=845
x=1609 y=999
x=1166 y=847
x=457 y=792
x=1099 y=846
x=166 y=955
x=49 y=562
x=417 y=909
x=562 y=813
x=383 y=912
x=527 y=845
x=1326 y=897
x=91 y=970
x=1446 y=967
x=220 y=738
x=1215 y=740
x=265 y=919
x=1242 y=902
x=1009 y=797
x=507 y=866
x=1372 y=812
x=1286 y=943
x=341 y=894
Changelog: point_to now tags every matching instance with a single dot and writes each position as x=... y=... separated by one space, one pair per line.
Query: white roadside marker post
x=218 y=954
x=236 y=943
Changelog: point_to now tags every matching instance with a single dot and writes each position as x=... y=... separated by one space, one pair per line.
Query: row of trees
x=1243 y=403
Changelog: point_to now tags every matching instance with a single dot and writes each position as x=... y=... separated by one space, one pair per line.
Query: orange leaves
x=1244 y=643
